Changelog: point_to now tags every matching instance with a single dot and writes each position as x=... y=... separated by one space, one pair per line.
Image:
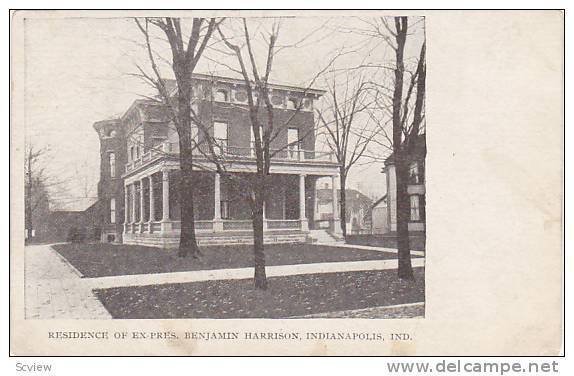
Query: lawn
x=99 y=260
x=289 y=296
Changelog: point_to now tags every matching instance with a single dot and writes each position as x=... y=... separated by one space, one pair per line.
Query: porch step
x=322 y=236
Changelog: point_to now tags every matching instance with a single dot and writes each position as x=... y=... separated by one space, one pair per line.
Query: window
x=414 y=174
x=253 y=139
x=225 y=209
x=110 y=133
x=113 y=210
x=291 y=104
x=415 y=208
x=112 y=158
x=293 y=142
x=220 y=95
x=134 y=152
x=194 y=135
x=220 y=136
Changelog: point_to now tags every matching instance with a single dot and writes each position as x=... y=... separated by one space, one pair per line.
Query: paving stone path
x=53 y=290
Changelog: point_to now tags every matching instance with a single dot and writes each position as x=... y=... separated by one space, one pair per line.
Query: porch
x=222 y=210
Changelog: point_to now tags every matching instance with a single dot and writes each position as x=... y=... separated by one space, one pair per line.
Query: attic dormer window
x=221 y=95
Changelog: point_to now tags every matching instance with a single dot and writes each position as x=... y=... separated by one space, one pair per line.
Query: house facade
x=139 y=185
x=379 y=217
x=415 y=189
x=358 y=209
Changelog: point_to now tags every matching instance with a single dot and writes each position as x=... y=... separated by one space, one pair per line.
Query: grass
x=286 y=296
x=99 y=260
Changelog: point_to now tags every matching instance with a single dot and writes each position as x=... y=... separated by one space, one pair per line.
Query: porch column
x=165 y=223
x=302 y=214
x=142 y=205
x=151 y=201
x=126 y=212
x=217 y=222
x=133 y=206
x=336 y=220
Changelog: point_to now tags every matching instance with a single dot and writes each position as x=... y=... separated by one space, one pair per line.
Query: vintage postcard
x=286 y=182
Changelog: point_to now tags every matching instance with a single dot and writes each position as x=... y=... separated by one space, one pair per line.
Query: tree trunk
x=187 y=239
x=405 y=270
x=260 y=277
x=28 y=199
x=401 y=167
x=343 y=206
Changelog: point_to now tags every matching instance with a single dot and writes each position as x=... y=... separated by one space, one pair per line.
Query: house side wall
x=110 y=187
x=413 y=189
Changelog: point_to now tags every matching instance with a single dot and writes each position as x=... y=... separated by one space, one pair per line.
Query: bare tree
x=405 y=134
x=35 y=186
x=261 y=113
x=392 y=96
x=186 y=53
x=346 y=133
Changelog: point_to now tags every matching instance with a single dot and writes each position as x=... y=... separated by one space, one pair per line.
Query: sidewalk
x=53 y=290
x=370 y=248
x=400 y=311
x=241 y=273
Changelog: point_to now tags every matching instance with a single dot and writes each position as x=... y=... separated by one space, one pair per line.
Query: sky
x=78 y=71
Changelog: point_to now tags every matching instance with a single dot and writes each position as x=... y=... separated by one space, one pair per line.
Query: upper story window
x=110 y=133
x=415 y=176
x=112 y=210
x=294 y=142
x=112 y=161
x=225 y=209
x=415 y=208
x=221 y=95
x=291 y=104
x=276 y=100
x=253 y=139
x=220 y=136
x=194 y=135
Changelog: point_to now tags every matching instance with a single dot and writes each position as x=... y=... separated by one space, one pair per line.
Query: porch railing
x=208 y=225
x=283 y=223
x=230 y=225
x=155 y=227
x=233 y=153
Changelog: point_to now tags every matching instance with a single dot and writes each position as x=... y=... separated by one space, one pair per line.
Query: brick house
x=56 y=220
x=138 y=188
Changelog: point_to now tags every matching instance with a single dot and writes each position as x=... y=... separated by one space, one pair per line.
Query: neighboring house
x=379 y=217
x=358 y=209
x=139 y=183
x=415 y=188
x=65 y=217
